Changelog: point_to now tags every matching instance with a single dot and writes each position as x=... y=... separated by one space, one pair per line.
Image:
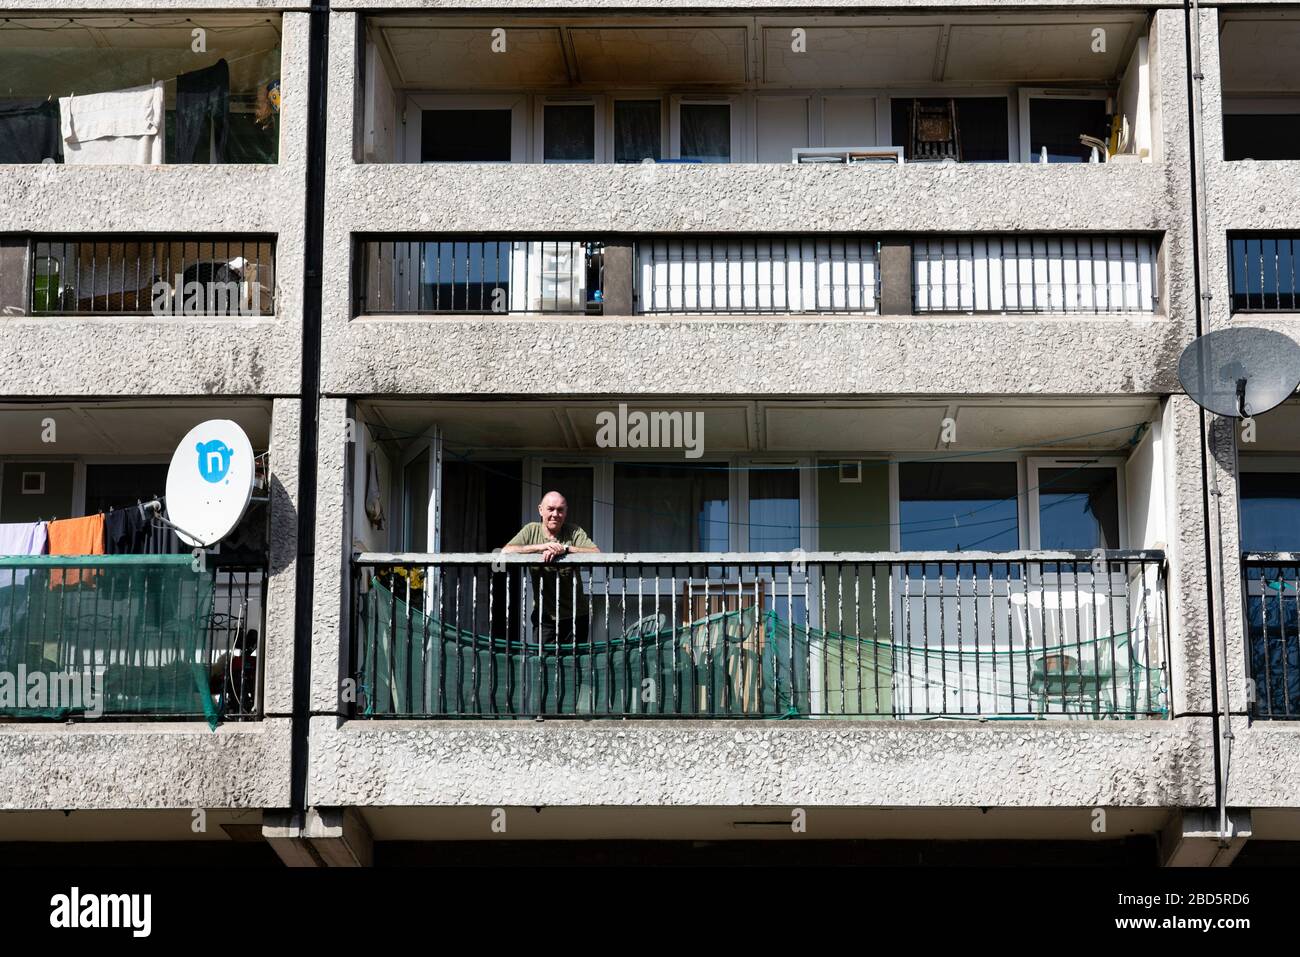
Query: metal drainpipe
x=309 y=390
x=1220 y=703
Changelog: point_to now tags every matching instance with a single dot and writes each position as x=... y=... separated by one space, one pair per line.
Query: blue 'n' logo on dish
x=214 y=460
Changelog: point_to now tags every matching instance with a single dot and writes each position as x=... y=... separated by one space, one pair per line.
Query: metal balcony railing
x=1264 y=273
x=758 y=275
x=476 y=275
x=764 y=635
x=1271 y=584
x=130 y=275
x=1025 y=273
x=139 y=636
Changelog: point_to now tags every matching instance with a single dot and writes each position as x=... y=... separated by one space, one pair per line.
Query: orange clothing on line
x=75 y=536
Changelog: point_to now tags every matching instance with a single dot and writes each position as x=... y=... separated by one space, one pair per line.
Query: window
x=773 y=509
x=1270 y=511
x=958 y=506
x=569 y=132
x=577 y=484
x=638 y=130
x=1056 y=120
x=671 y=508
x=1077 y=504
x=466 y=136
x=1264 y=273
x=705 y=132
x=1261 y=136
x=981 y=127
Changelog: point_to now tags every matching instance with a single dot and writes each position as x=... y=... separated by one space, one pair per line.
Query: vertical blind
x=744 y=275
x=1029 y=274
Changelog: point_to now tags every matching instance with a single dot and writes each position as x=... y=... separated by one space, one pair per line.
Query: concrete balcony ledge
x=1265 y=767
x=749 y=197
x=716 y=763
x=144 y=765
x=143 y=355
x=233 y=198
x=1253 y=194
x=768 y=354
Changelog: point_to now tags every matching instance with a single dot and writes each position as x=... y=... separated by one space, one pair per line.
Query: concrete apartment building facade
x=899 y=349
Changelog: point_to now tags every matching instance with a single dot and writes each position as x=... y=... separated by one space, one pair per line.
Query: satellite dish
x=1240 y=371
x=210 y=482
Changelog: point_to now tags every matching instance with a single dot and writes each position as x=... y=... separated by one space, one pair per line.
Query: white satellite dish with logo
x=210 y=482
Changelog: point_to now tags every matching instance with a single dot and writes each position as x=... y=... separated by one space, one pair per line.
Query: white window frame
x=1082 y=461
x=597 y=104
x=665 y=135
x=741 y=149
x=895 y=493
x=1049 y=93
x=418 y=103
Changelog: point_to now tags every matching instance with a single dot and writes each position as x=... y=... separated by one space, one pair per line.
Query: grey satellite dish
x=1240 y=371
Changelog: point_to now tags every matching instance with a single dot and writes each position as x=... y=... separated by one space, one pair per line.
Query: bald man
x=564 y=607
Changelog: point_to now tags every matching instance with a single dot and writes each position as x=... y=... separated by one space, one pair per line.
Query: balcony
x=757 y=274
x=82 y=276
x=1271 y=587
x=961 y=87
x=1015 y=635
x=129 y=636
x=177 y=90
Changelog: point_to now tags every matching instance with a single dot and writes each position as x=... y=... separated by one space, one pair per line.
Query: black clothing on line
x=200 y=96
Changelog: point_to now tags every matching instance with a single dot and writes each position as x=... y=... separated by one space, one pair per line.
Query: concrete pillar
x=617 y=291
x=895 y=276
x=13 y=277
x=1191 y=838
x=322 y=837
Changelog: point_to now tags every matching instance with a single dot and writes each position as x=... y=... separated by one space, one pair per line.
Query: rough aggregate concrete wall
x=922 y=764
x=175 y=355
x=277 y=643
x=101 y=766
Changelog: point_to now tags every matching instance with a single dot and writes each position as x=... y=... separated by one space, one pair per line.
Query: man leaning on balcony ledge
x=563 y=618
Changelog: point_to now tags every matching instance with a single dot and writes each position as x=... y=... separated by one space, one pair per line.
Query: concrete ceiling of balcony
x=773 y=426
x=134 y=427
x=1258 y=52
x=1276 y=431
x=90 y=54
x=423 y=53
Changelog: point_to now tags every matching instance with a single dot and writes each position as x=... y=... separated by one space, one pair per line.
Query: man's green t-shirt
x=534 y=533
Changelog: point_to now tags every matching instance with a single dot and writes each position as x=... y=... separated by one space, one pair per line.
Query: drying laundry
x=126 y=531
x=27 y=538
x=202 y=96
x=125 y=126
x=29 y=132
x=76 y=536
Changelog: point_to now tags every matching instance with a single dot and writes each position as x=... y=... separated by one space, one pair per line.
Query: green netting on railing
x=412 y=664
x=742 y=663
x=105 y=635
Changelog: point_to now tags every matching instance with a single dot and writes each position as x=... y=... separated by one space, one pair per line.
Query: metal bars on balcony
x=1020 y=274
x=1264 y=273
x=1271 y=584
x=77 y=276
x=751 y=274
x=141 y=636
x=479 y=276
x=1068 y=635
